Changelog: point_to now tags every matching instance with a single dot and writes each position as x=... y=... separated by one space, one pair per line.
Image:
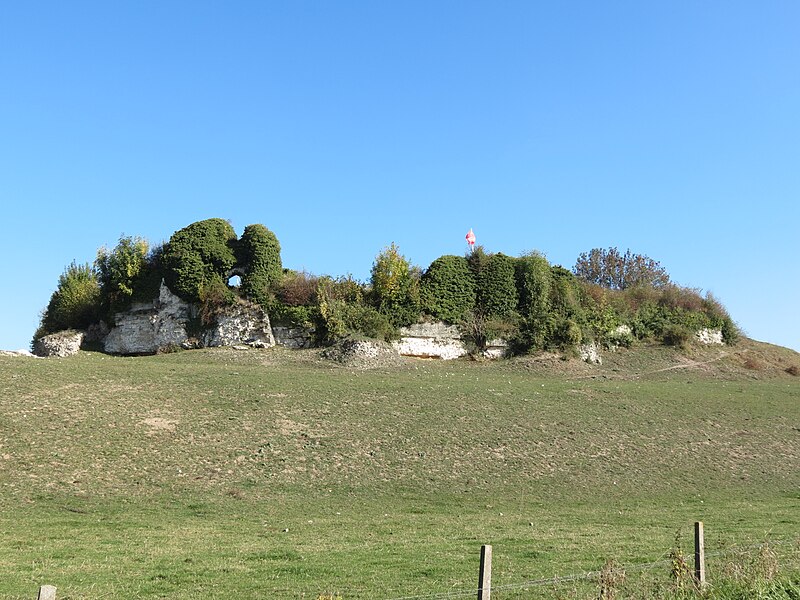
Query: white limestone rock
x=590 y=353
x=60 y=344
x=149 y=327
x=22 y=353
x=240 y=323
x=430 y=340
x=497 y=348
x=710 y=337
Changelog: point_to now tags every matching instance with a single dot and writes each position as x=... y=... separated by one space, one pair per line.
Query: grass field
x=269 y=473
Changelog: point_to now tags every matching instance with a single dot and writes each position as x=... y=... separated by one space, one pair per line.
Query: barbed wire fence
x=672 y=568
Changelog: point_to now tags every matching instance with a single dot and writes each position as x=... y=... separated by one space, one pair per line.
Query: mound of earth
x=363 y=354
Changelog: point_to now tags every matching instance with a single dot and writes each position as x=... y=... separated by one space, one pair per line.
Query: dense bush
x=477 y=330
x=676 y=334
x=565 y=333
x=259 y=253
x=298 y=288
x=565 y=294
x=214 y=297
x=447 y=289
x=198 y=256
x=148 y=282
x=534 y=281
x=497 y=289
x=295 y=303
x=343 y=312
x=395 y=287
x=76 y=302
x=477 y=258
x=120 y=269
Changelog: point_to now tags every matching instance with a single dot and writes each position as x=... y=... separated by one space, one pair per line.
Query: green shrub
x=676 y=334
x=476 y=258
x=534 y=282
x=497 y=289
x=447 y=288
x=478 y=330
x=120 y=269
x=259 y=254
x=535 y=332
x=719 y=317
x=293 y=316
x=344 y=312
x=566 y=333
x=395 y=287
x=76 y=302
x=677 y=297
x=565 y=294
x=199 y=255
x=214 y=296
x=148 y=283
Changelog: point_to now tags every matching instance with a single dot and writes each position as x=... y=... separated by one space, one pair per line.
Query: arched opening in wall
x=234 y=281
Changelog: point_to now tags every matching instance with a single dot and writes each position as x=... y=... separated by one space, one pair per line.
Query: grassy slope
x=224 y=473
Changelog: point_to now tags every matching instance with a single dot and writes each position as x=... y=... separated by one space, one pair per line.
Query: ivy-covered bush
x=260 y=255
x=395 y=287
x=566 y=333
x=497 y=289
x=447 y=289
x=534 y=281
x=198 y=256
x=565 y=294
x=75 y=304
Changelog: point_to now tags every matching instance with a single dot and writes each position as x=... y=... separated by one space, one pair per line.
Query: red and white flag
x=471 y=238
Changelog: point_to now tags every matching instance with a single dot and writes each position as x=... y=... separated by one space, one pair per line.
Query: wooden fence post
x=47 y=592
x=699 y=555
x=485 y=576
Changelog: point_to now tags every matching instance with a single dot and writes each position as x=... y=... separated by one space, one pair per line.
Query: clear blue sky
x=670 y=128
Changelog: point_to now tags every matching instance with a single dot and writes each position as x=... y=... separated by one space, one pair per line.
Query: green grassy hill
x=269 y=473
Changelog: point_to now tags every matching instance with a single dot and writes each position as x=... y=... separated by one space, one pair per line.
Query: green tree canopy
x=447 y=288
x=76 y=302
x=395 y=289
x=197 y=255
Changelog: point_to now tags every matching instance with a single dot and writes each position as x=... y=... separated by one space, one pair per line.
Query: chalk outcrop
x=431 y=340
x=590 y=353
x=295 y=338
x=710 y=337
x=242 y=323
x=22 y=353
x=497 y=348
x=60 y=344
x=151 y=327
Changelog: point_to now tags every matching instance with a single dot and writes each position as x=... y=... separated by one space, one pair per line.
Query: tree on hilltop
x=614 y=270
